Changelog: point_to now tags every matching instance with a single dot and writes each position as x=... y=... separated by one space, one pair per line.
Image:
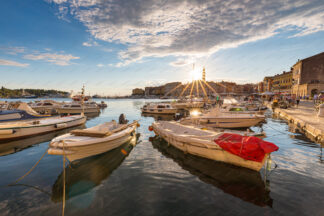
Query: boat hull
x=26 y=131
x=226 y=122
x=207 y=149
x=159 y=111
x=77 y=152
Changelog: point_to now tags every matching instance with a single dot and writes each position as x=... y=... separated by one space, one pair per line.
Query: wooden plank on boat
x=88 y=133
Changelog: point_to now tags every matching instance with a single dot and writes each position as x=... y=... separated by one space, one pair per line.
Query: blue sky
x=114 y=46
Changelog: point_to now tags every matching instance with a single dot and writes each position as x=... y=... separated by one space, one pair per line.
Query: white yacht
x=159 y=108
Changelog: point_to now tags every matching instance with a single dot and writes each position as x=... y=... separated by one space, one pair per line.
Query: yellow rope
x=63 y=204
x=27 y=173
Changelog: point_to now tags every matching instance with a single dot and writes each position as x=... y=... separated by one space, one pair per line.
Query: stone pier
x=305 y=118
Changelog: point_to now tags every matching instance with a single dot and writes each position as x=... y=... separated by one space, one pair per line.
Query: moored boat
x=244 y=184
x=79 y=144
x=217 y=118
x=21 y=112
x=244 y=151
x=77 y=108
x=159 y=108
x=20 y=129
x=46 y=106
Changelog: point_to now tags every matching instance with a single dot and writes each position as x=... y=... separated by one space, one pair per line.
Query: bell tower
x=204 y=74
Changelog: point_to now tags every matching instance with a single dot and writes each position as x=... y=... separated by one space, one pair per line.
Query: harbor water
x=153 y=178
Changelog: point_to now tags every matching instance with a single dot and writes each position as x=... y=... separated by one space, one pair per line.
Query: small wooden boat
x=86 y=171
x=244 y=151
x=80 y=144
x=20 y=129
x=160 y=108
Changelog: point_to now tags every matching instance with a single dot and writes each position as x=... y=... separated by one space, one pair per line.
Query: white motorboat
x=46 y=106
x=84 y=143
x=244 y=151
x=241 y=110
x=20 y=129
x=20 y=112
x=216 y=118
x=159 y=108
x=188 y=103
x=77 y=108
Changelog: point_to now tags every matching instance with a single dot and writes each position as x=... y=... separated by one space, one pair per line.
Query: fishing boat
x=159 y=108
x=46 y=106
x=3 y=105
x=244 y=151
x=88 y=142
x=77 y=108
x=21 y=112
x=87 y=171
x=20 y=129
x=216 y=118
x=244 y=184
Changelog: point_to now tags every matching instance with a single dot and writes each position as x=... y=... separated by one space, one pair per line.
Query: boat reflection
x=83 y=175
x=242 y=183
x=14 y=146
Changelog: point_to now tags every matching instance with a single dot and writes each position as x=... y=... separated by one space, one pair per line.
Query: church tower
x=204 y=74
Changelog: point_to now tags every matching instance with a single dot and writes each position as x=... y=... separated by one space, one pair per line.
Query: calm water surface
x=153 y=179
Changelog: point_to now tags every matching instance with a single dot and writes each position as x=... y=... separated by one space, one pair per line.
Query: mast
x=82 y=100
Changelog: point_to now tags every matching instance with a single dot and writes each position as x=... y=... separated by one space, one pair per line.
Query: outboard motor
x=122 y=119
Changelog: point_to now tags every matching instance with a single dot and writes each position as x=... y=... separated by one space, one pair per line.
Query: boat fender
x=7 y=132
x=150 y=128
x=61 y=125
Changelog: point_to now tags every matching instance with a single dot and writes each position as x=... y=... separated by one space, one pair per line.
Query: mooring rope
x=63 y=201
x=27 y=173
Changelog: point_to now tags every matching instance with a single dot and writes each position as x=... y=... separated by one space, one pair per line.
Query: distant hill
x=21 y=93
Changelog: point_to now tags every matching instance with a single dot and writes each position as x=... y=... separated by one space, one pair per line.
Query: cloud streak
x=58 y=59
x=195 y=28
x=5 y=62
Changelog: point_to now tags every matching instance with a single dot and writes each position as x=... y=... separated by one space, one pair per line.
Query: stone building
x=308 y=76
x=267 y=84
x=282 y=82
x=138 y=91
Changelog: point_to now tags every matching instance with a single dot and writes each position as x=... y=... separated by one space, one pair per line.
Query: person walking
x=297 y=100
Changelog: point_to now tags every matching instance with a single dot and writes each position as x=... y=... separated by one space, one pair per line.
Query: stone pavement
x=305 y=117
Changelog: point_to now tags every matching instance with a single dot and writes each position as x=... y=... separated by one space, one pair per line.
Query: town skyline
x=61 y=44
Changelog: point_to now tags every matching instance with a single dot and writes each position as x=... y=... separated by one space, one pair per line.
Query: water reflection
x=242 y=183
x=12 y=147
x=82 y=176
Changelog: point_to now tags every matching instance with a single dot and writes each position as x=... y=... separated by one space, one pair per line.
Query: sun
x=196 y=75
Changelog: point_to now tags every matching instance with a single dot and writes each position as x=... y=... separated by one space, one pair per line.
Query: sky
x=113 y=46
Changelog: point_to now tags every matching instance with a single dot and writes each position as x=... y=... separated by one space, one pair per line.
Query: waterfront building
x=308 y=76
x=267 y=84
x=282 y=82
x=138 y=91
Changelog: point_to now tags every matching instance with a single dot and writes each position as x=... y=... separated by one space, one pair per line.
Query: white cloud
x=58 y=59
x=12 y=63
x=192 y=28
x=90 y=43
x=100 y=65
x=13 y=50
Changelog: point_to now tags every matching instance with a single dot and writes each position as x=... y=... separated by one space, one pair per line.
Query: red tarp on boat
x=246 y=147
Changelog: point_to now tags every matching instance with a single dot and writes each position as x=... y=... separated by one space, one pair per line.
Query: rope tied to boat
x=63 y=200
x=31 y=169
